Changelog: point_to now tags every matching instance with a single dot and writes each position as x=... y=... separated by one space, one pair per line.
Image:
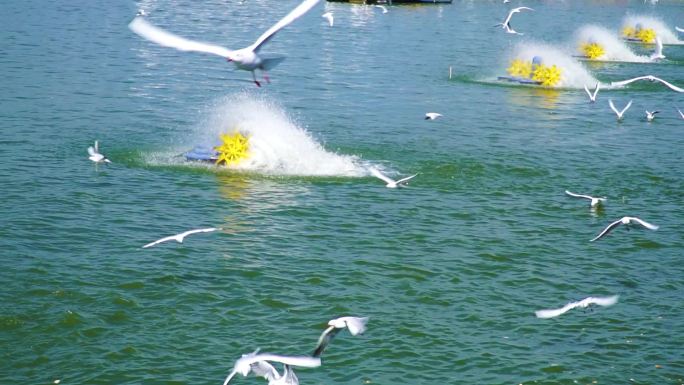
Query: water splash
x=615 y=48
x=573 y=74
x=277 y=144
x=667 y=36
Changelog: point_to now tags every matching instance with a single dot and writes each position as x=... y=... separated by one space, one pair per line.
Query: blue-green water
x=450 y=270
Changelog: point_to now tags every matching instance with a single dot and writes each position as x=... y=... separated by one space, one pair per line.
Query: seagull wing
x=301 y=9
x=659 y=47
x=550 y=313
x=157 y=35
x=379 y=175
x=644 y=223
x=625 y=82
x=679 y=29
x=670 y=85
x=626 y=108
x=608 y=229
x=406 y=179
x=588 y=93
x=604 y=301
x=303 y=361
x=325 y=338
x=230 y=376
x=207 y=230
x=578 y=195
x=680 y=113
x=158 y=241
x=265 y=369
x=356 y=325
x=596 y=90
x=612 y=107
x=92 y=151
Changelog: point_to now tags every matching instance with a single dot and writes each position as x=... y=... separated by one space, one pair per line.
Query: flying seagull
x=179 y=237
x=620 y=114
x=390 y=182
x=651 y=115
x=261 y=367
x=658 y=53
x=592 y=97
x=506 y=25
x=595 y=202
x=627 y=221
x=356 y=326
x=432 y=115
x=95 y=155
x=248 y=59
x=650 y=78
x=329 y=16
x=602 y=301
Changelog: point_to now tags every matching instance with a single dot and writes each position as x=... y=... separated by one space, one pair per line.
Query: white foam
x=277 y=144
x=573 y=74
x=615 y=48
x=667 y=36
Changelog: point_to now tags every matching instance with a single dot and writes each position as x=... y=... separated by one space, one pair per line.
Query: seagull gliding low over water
x=95 y=155
x=179 y=237
x=602 y=301
x=259 y=364
x=627 y=221
x=247 y=59
x=391 y=183
x=620 y=114
x=356 y=326
x=650 y=78
x=506 y=25
x=595 y=202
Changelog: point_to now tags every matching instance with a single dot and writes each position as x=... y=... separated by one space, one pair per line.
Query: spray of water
x=277 y=144
x=573 y=74
x=667 y=36
x=615 y=48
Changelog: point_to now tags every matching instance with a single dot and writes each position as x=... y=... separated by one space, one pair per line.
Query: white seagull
x=356 y=326
x=432 y=115
x=651 y=115
x=650 y=78
x=329 y=16
x=658 y=53
x=602 y=301
x=95 y=155
x=384 y=9
x=592 y=97
x=595 y=202
x=390 y=182
x=620 y=114
x=261 y=367
x=506 y=25
x=179 y=237
x=247 y=59
x=627 y=221
x=141 y=12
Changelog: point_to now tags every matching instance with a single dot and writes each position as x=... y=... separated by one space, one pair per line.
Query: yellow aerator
x=592 y=51
x=233 y=149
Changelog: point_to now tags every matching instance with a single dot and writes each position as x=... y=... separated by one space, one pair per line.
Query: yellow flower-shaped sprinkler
x=645 y=35
x=592 y=51
x=233 y=149
x=536 y=71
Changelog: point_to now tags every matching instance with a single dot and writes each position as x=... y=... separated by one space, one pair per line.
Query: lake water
x=450 y=269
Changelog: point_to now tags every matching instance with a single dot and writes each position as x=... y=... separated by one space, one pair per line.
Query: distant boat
x=391 y=2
